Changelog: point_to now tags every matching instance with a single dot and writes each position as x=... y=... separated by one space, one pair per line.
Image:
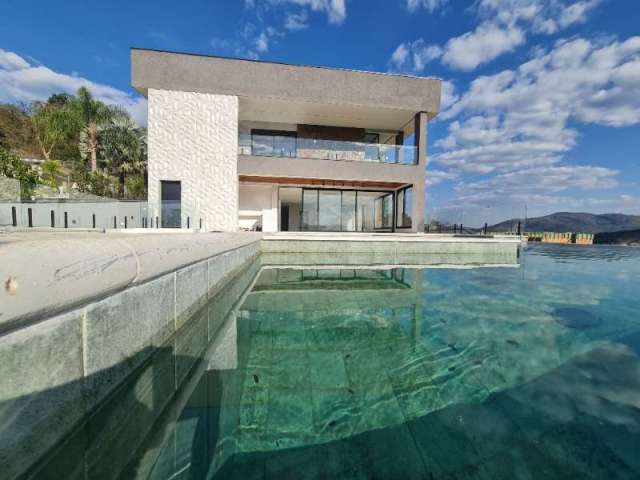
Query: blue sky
x=541 y=98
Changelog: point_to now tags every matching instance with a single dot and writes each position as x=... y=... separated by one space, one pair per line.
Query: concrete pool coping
x=49 y=272
x=391 y=237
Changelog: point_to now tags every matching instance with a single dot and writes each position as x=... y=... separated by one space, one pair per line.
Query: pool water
x=530 y=371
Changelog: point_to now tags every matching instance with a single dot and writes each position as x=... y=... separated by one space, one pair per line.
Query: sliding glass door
x=332 y=210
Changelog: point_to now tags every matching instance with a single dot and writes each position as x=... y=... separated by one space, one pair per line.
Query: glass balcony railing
x=293 y=147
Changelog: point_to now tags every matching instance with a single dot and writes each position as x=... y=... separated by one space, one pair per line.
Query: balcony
x=291 y=146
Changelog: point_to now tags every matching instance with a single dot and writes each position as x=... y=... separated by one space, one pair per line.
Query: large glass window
x=333 y=210
x=309 y=210
x=383 y=211
x=329 y=210
x=404 y=207
x=273 y=143
x=348 y=220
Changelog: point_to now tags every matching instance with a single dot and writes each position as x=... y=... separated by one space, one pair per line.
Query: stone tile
x=290 y=369
x=41 y=395
x=191 y=291
x=120 y=425
x=290 y=415
x=378 y=405
x=335 y=412
x=122 y=331
x=218 y=269
x=260 y=350
x=290 y=340
x=254 y=407
x=190 y=342
x=327 y=370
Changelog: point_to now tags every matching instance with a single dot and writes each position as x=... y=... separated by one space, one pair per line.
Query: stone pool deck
x=79 y=309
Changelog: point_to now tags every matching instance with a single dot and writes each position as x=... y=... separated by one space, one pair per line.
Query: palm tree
x=123 y=145
x=93 y=115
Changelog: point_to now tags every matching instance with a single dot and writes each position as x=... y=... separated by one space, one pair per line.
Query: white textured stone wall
x=193 y=138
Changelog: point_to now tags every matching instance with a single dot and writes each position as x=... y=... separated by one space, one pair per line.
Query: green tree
x=13 y=166
x=52 y=122
x=123 y=146
x=93 y=115
x=50 y=172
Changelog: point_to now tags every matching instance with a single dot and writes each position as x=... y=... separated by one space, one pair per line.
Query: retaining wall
x=87 y=312
x=79 y=213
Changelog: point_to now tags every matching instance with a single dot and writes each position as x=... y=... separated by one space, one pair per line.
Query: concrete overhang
x=290 y=93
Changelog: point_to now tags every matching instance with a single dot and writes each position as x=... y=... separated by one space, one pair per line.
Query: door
x=171 y=193
x=284 y=218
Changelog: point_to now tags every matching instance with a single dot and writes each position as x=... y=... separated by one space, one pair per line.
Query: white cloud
x=9 y=61
x=542 y=181
x=435 y=177
x=262 y=42
x=296 y=21
x=413 y=57
x=576 y=13
x=336 y=10
x=430 y=5
x=514 y=128
x=261 y=31
x=504 y=26
x=20 y=81
x=449 y=95
x=485 y=43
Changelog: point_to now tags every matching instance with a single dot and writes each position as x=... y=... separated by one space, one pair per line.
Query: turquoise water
x=523 y=372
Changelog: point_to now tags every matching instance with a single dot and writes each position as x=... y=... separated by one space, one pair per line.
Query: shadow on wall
x=72 y=430
x=172 y=394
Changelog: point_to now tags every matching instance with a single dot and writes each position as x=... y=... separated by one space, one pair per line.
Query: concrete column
x=417 y=225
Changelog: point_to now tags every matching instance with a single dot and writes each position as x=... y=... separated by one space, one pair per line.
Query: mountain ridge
x=577 y=222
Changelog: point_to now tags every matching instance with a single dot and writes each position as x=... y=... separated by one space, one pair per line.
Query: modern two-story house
x=241 y=144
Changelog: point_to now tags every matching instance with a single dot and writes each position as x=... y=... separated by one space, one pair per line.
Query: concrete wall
x=93 y=311
x=79 y=214
x=197 y=73
x=193 y=138
x=259 y=206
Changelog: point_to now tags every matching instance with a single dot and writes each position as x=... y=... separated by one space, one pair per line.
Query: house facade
x=239 y=144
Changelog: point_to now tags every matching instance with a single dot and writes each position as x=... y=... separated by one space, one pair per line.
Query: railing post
x=157 y=222
x=53 y=219
x=14 y=217
x=29 y=217
x=188 y=222
x=125 y=221
x=115 y=222
x=200 y=224
x=66 y=223
x=93 y=220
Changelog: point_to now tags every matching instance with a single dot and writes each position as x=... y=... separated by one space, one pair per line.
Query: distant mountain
x=574 y=222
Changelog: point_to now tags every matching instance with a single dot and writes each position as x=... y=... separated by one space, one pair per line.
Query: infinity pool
x=530 y=371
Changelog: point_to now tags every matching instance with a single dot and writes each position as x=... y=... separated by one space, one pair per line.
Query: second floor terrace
x=328 y=143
